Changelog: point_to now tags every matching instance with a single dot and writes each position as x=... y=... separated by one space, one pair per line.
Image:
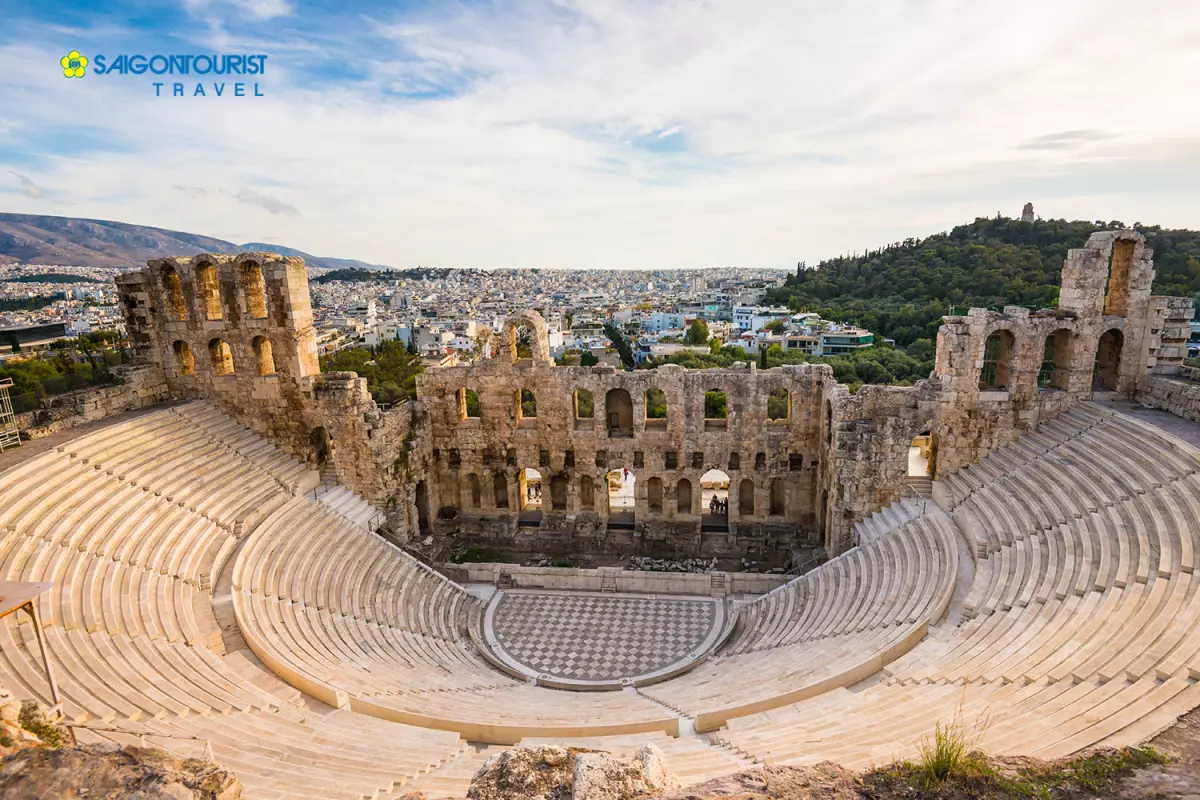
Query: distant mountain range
x=40 y=239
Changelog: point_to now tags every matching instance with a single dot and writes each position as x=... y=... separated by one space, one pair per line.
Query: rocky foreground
x=559 y=773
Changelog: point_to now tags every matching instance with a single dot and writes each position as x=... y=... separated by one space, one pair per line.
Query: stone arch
x=716 y=410
x=1117 y=289
x=468 y=404
x=618 y=413
x=654 y=494
x=1109 y=352
x=526 y=407
x=585 y=404
x=254 y=288
x=185 y=362
x=1055 y=372
x=221 y=357
x=996 y=372
x=746 y=498
x=778 y=500
x=422 y=507
x=683 y=496
x=558 y=492
x=500 y=490
x=779 y=405
x=264 y=355
x=174 y=291
x=656 y=408
x=322 y=445
x=587 y=492
x=539 y=337
x=208 y=290
x=476 y=491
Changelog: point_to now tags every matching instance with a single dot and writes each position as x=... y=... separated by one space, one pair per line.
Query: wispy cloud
x=28 y=187
x=265 y=201
x=1063 y=140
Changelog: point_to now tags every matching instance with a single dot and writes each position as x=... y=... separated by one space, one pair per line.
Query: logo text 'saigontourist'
x=190 y=75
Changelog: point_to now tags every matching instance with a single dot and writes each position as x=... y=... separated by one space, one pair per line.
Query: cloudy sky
x=606 y=133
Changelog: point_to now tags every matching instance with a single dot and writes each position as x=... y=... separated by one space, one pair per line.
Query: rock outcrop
x=562 y=773
x=112 y=773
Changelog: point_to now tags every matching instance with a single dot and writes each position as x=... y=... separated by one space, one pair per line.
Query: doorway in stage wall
x=622 y=494
x=530 y=489
x=714 y=494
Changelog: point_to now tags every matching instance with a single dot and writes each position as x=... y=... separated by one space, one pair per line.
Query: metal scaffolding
x=9 y=435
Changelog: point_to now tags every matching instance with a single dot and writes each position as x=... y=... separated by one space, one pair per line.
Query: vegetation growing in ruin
x=973 y=775
x=391 y=371
x=901 y=291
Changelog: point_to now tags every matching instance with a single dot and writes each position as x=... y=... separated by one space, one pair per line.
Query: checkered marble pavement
x=598 y=638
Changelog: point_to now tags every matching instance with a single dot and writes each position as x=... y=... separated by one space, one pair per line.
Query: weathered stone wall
x=624 y=580
x=1178 y=394
x=794 y=483
x=136 y=386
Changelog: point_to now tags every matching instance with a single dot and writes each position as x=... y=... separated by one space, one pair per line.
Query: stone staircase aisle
x=347 y=504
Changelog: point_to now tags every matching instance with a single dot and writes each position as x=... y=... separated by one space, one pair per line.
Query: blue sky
x=605 y=133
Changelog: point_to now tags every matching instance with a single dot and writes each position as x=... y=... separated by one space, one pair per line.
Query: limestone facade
x=804 y=457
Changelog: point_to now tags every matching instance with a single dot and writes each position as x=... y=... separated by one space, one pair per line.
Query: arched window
x=422 y=507
x=221 y=357
x=996 y=373
x=468 y=404
x=1116 y=292
x=1056 y=361
x=779 y=404
x=558 y=493
x=255 y=289
x=683 y=496
x=1107 y=369
x=587 y=492
x=520 y=343
x=170 y=279
x=654 y=494
x=746 y=498
x=778 y=498
x=475 y=490
x=714 y=409
x=656 y=408
x=585 y=404
x=500 y=490
x=208 y=290
x=185 y=363
x=526 y=407
x=263 y=353
x=618 y=413
x=322 y=445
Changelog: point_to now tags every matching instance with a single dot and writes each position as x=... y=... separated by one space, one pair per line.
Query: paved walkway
x=1176 y=426
x=592 y=637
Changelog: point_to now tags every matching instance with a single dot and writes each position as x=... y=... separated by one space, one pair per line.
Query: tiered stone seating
x=350 y=619
x=349 y=505
x=1080 y=625
x=830 y=627
x=129 y=620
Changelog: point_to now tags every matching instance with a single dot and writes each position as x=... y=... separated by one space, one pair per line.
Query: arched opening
x=1116 y=292
x=526 y=408
x=618 y=413
x=263 y=354
x=500 y=490
x=922 y=454
x=996 y=373
x=1108 y=361
x=208 y=290
x=422 y=507
x=221 y=357
x=778 y=506
x=654 y=495
x=714 y=499
x=622 y=493
x=1055 y=372
x=475 y=489
x=174 y=290
x=746 y=498
x=779 y=405
x=468 y=404
x=735 y=462
x=683 y=496
x=587 y=493
x=520 y=343
x=715 y=412
x=185 y=362
x=558 y=493
x=585 y=404
x=530 y=481
x=255 y=290
x=322 y=445
x=656 y=409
